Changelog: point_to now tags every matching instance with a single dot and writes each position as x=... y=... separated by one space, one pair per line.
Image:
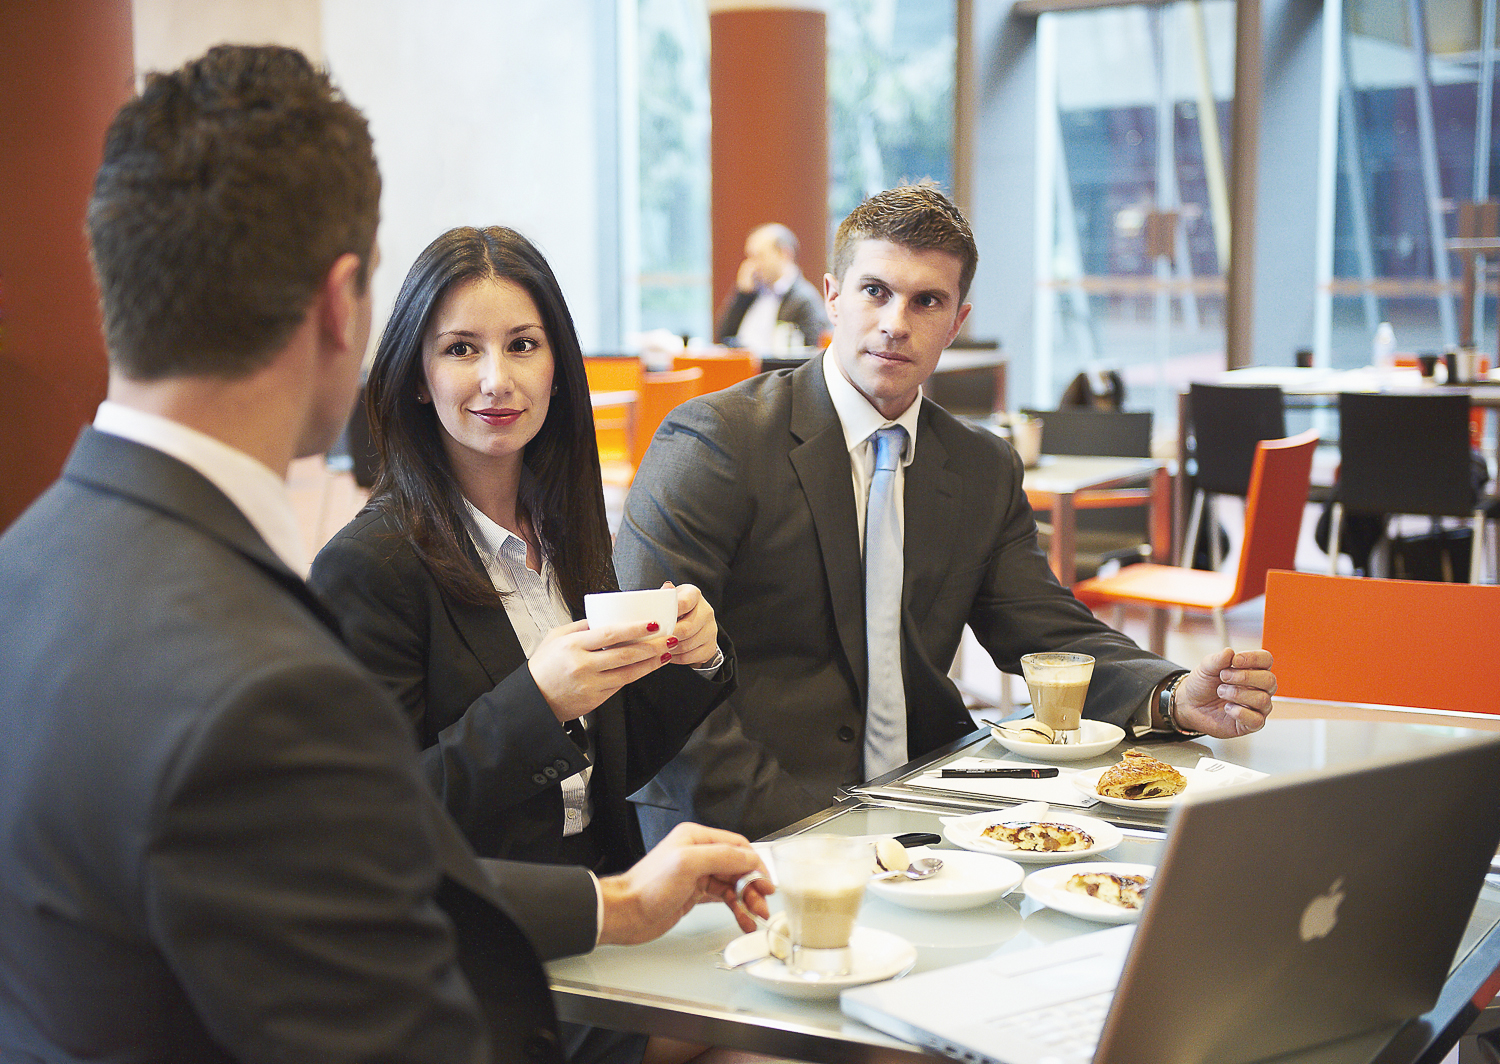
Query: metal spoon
x=921 y=868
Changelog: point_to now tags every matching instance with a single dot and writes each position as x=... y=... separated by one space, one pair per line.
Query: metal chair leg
x=1159 y=632
x=1190 y=538
x=1334 y=524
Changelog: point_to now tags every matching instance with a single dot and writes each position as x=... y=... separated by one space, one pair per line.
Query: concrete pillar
x=65 y=68
x=768 y=82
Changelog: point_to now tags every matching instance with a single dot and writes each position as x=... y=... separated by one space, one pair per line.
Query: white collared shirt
x=757 y=331
x=253 y=487
x=535 y=605
x=860 y=422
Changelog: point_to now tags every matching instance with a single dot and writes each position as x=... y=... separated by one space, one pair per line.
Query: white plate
x=1098 y=737
x=878 y=955
x=1046 y=886
x=1087 y=781
x=968 y=832
x=966 y=880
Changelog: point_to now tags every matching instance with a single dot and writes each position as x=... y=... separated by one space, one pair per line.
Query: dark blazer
x=215 y=840
x=802 y=306
x=748 y=494
x=491 y=747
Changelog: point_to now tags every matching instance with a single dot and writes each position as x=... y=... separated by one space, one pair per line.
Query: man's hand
x=695 y=640
x=747 y=279
x=692 y=864
x=1228 y=694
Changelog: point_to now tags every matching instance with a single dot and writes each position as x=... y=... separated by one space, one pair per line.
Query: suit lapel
x=486 y=630
x=821 y=460
x=152 y=478
x=932 y=518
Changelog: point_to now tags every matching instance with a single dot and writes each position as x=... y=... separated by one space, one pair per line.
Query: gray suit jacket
x=747 y=493
x=802 y=306
x=215 y=840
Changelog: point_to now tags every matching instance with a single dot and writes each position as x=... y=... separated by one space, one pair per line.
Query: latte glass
x=821 y=882
x=1059 y=683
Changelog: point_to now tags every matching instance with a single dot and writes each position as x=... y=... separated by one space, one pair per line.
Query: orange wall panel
x=65 y=68
x=768 y=79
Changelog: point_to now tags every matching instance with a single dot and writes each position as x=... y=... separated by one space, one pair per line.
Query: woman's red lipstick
x=497 y=417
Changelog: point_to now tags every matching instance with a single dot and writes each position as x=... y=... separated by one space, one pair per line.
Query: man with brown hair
x=765 y=496
x=215 y=840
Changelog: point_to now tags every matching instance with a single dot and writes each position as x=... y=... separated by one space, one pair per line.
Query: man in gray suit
x=770 y=290
x=757 y=494
x=217 y=842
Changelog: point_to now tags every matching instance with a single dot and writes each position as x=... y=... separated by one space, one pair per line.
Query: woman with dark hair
x=460 y=582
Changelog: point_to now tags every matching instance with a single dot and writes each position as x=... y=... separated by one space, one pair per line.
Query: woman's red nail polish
x=671 y=640
x=653 y=627
x=666 y=658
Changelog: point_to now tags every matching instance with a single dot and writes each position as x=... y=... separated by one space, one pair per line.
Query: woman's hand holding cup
x=577 y=667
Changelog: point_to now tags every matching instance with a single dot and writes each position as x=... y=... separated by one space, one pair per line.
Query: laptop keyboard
x=1068 y=1031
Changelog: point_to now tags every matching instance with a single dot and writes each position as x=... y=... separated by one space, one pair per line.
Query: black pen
x=998 y=773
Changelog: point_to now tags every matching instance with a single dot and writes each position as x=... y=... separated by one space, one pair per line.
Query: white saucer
x=1087 y=781
x=1096 y=737
x=965 y=881
x=878 y=955
x=1046 y=886
x=968 y=832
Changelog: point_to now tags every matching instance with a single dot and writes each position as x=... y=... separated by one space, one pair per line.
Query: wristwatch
x=1167 y=705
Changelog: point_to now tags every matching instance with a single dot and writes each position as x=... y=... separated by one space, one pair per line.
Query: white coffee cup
x=1026 y=437
x=657 y=604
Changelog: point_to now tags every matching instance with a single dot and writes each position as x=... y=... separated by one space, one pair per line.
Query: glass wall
x=1417 y=136
x=1133 y=140
x=890 y=88
x=672 y=75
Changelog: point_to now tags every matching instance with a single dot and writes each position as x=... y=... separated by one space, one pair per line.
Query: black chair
x=1407 y=454
x=1227 y=421
x=1112 y=525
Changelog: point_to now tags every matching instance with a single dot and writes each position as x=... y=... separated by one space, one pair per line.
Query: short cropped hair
x=228 y=189
x=918 y=217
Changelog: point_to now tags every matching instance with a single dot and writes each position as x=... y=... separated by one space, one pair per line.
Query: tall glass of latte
x=1058 y=683
x=821 y=882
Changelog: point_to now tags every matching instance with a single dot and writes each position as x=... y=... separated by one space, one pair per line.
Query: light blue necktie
x=885 y=711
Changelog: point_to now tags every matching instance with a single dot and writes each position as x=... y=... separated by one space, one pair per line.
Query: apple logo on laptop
x=1321 y=913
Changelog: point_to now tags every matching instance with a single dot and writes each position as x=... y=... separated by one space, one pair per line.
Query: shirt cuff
x=708 y=668
x=598 y=907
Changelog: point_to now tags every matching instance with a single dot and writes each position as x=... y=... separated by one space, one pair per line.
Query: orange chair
x=659 y=394
x=1417 y=644
x=1273 y=519
x=720 y=371
x=614 y=421
x=609 y=373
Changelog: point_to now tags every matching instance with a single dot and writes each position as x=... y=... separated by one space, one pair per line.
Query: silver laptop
x=1285 y=914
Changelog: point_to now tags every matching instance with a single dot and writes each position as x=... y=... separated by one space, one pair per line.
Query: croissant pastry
x=1139 y=775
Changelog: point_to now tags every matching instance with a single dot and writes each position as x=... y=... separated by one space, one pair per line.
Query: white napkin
x=1218 y=773
x=1058 y=789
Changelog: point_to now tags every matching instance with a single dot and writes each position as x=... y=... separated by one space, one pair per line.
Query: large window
x=1133 y=117
x=1416 y=138
x=890 y=96
x=672 y=75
